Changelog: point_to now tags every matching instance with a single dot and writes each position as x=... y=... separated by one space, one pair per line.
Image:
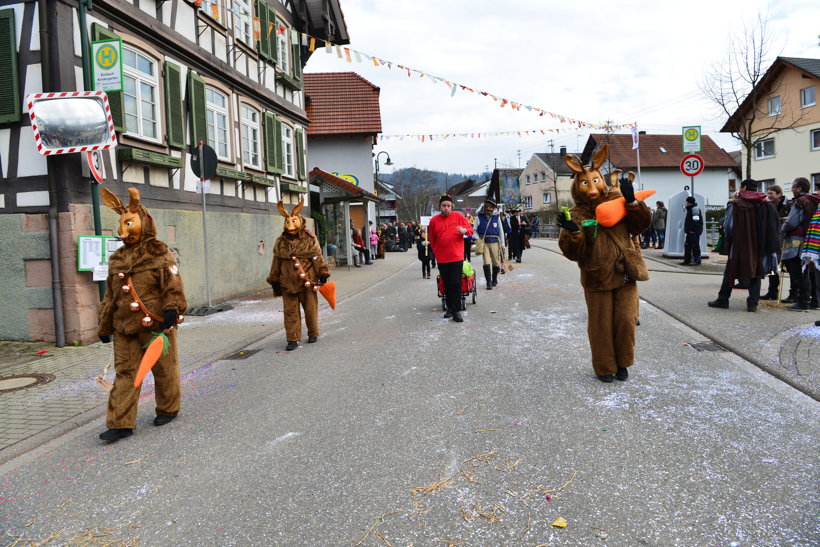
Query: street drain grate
x=706 y=346
x=244 y=354
x=16 y=383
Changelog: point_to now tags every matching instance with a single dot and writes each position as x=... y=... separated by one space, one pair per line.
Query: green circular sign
x=691 y=134
x=106 y=57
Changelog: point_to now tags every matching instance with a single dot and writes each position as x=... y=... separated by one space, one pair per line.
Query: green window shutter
x=274 y=36
x=174 y=115
x=264 y=43
x=10 y=106
x=297 y=61
x=273 y=143
x=300 y=154
x=99 y=32
x=196 y=108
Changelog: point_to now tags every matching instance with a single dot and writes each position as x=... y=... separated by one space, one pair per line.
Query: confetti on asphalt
x=560 y=522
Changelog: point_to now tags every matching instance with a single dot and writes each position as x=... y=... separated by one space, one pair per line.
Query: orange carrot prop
x=156 y=348
x=609 y=213
x=328 y=290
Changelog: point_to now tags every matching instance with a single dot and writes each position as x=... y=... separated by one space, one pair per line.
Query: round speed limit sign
x=691 y=165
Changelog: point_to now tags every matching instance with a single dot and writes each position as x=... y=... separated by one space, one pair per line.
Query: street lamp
x=375 y=185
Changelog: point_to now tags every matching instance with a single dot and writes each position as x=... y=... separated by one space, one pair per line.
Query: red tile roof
x=342 y=103
x=622 y=156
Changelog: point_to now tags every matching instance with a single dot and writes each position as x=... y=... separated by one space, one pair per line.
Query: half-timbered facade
x=224 y=72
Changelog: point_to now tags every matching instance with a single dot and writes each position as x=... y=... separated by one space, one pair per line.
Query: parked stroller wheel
x=443 y=304
x=474 y=297
x=463 y=303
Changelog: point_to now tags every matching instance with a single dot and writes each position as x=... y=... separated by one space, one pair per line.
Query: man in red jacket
x=446 y=232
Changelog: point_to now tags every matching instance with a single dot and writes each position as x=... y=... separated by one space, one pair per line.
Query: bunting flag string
x=349 y=55
x=427 y=137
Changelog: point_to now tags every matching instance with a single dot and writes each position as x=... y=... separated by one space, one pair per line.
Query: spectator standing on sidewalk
x=775 y=195
x=803 y=207
x=425 y=255
x=518 y=227
x=374 y=243
x=659 y=223
x=446 y=233
x=750 y=230
x=692 y=228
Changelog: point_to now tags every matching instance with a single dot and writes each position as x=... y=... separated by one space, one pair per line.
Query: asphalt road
x=399 y=427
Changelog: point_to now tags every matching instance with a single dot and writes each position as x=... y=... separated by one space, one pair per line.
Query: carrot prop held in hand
x=609 y=213
x=156 y=348
x=328 y=290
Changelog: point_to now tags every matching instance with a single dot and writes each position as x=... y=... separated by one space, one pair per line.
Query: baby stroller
x=468 y=287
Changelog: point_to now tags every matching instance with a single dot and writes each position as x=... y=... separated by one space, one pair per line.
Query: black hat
x=445 y=197
x=490 y=203
x=690 y=199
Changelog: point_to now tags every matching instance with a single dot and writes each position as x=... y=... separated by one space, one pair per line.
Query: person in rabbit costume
x=297 y=268
x=144 y=297
x=610 y=263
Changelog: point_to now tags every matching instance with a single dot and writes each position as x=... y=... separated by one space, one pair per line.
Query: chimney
x=563 y=151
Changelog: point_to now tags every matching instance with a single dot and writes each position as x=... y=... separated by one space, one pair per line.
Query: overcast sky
x=638 y=61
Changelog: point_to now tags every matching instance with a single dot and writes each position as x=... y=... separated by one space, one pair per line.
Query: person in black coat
x=692 y=228
x=425 y=255
x=518 y=229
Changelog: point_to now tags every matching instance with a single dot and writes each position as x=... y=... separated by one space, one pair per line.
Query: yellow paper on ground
x=560 y=522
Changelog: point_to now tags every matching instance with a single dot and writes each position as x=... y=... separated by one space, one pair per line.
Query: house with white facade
x=660 y=158
x=545 y=182
x=226 y=73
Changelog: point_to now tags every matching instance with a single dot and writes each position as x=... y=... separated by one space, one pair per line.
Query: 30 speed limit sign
x=691 y=165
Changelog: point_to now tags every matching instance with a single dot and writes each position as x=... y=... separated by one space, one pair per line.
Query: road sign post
x=203 y=164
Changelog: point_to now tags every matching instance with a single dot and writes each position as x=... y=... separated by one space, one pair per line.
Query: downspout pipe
x=53 y=199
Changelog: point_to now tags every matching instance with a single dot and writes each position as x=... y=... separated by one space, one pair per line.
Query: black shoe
x=457 y=317
x=112 y=435
x=622 y=374
x=291 y=346
x=489 y=285
x=448 y=314
x=769 y=296
x=817 y=323
x=814 y=305
x=788 y=300
x=163 y=419
x=684 y=263
x=751 y=307
x=718 y=304
x=312 y=339
x=691 y=263
x=797 y=307
x=606 y=378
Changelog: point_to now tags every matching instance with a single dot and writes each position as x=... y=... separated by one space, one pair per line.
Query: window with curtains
x=764 y=149
x=807 y=97
x=774 y=106
x=140 y=95
x=287 y=149
x=251 y=155
x=216 y=104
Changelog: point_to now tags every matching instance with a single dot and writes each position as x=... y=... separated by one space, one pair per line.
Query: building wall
x=788 y=87
x=241 y=214
x=342 y=157
x=537 y=188
x=713 y=184
x=793 y=157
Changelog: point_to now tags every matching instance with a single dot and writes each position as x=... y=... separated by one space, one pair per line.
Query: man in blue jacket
x=692 y=227
x=489 y=232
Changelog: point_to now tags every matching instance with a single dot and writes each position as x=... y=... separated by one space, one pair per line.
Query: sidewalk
x=786 y=344
x=67 y=396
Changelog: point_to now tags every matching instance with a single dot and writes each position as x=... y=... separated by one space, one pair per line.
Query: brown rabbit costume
x=295 y=246
x=610 y=265
x=154 y=302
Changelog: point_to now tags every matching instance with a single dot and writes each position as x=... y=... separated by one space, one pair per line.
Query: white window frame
x=543 y=176
x=760 y=152
x=251 y=136
x=814 y=139
x=815 y=181
x=527 y=202
x=804 y=103
x=287 y=150
x=142 y=79
x=527 y=178
x=283 y=47
x=242 y=21
x=547 y=198
x=775 y=106
x=214 y=114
